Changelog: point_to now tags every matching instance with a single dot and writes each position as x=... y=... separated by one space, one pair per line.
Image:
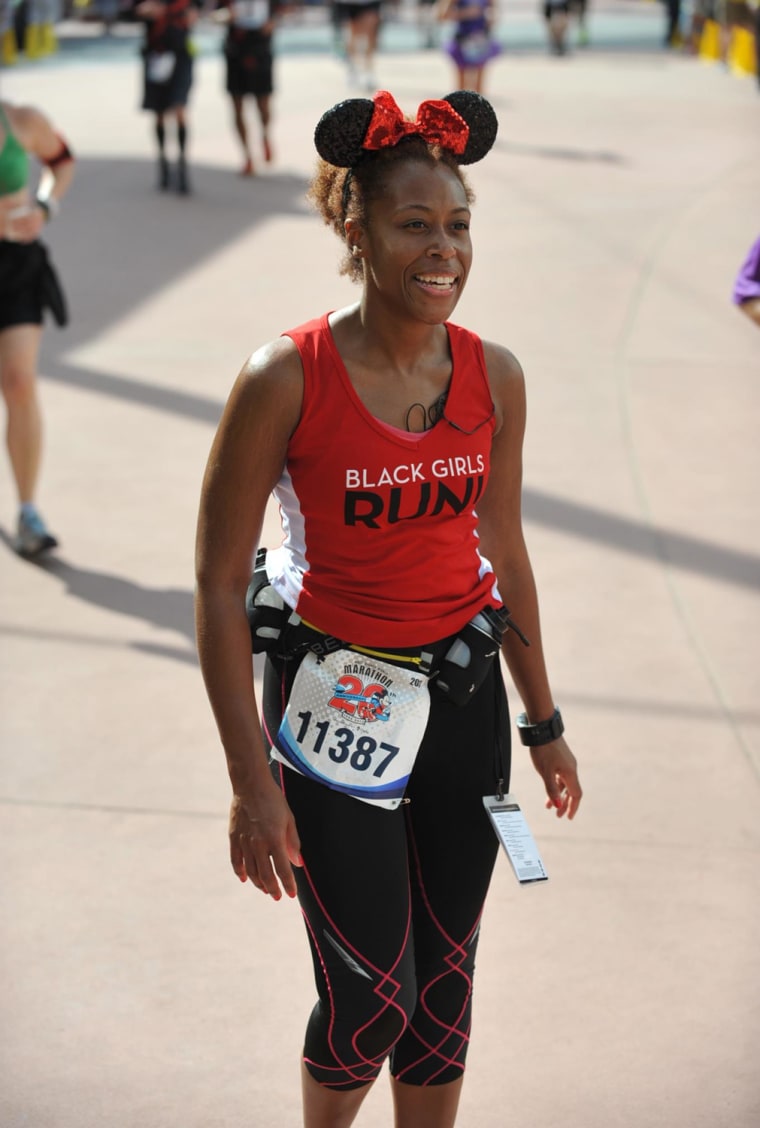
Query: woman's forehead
x=417 y=181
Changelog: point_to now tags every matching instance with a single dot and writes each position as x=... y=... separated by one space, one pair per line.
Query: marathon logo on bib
x=362 y=692
x=354 y=725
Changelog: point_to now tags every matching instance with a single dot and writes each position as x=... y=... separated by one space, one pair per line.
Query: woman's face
x=416 y=244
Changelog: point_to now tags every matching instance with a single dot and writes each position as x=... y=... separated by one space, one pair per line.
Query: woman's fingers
x=264 y=848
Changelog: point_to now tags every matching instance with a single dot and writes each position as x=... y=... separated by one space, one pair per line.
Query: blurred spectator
x=473 y=44
x=578 y=10
x=360 y=20
x=746 y=293
x=701 y=11
x=28 y=286
x=427 y=21
x=556 y=16
x=168 y=76
x=248 y=50
x=673 y=34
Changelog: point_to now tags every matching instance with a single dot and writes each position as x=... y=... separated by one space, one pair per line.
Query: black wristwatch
x=533 y=736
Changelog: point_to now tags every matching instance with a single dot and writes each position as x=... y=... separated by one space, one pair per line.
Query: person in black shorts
x=360 y=21
x=556 y=17
x=168 y=77
x=248 y=51
x=28 y=287
x=391 y=439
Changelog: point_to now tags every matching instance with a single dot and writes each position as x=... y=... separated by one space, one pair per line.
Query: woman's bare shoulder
x=506 y=380
x=277 y=361
x=271 y=382
x=502 y=363
x=29 y=125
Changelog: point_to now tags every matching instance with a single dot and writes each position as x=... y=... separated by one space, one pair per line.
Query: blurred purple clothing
x=473 y=45
x=747 y=283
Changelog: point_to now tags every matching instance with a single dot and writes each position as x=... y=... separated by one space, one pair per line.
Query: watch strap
x=544 y=732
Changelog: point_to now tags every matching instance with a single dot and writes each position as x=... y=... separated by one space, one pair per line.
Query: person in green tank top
x=28 y=286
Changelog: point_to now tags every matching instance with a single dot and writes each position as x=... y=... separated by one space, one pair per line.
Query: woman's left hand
x=558 y=768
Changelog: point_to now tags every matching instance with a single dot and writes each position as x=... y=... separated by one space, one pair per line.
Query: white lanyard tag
x=354 y=724
x=514 y=834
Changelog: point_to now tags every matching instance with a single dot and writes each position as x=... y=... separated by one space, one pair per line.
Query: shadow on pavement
x=172 y=608
x=123 y=241
x=639 y=538
x=169 y=609
x=556 y=153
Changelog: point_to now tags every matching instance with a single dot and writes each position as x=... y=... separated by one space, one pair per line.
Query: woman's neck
x=385 y=341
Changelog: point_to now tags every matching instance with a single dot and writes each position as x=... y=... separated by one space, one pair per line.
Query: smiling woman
x=391 y=439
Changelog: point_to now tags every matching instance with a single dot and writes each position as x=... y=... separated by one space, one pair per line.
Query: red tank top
x=380 y=529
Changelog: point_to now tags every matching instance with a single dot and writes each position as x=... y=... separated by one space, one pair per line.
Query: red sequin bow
x=437 y=122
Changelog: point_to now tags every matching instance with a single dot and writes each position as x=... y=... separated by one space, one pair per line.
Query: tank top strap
x=469 y=404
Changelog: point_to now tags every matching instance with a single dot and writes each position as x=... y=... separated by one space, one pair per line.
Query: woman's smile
x=439 y=283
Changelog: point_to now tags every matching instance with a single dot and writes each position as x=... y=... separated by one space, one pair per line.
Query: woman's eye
x=415 y=224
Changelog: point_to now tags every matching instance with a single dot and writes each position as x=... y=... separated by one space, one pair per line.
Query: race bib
x=161 y=66
x=474 y=47
x=354 y=724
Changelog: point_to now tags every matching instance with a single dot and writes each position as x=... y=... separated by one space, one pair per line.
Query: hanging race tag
x=354 y=724
x=514 y=834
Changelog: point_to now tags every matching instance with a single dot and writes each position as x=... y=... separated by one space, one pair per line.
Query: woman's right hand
x=23 y=224
x=264 y=843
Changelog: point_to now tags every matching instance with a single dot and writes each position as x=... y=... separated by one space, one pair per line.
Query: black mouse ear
x=480 y=116
x=341 y=131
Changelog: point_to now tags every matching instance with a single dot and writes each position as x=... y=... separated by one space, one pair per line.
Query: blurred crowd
x=724 y=31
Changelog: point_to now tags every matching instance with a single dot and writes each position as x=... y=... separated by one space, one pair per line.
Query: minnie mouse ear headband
x=463 y=123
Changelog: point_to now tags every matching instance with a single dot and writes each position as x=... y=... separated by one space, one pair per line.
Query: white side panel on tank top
x=287 y=565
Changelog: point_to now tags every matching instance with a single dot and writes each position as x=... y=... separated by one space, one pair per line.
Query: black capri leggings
x=392 y=899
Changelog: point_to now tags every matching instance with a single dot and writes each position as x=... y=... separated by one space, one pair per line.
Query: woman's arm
x=38 y=136
x=751 y=309
x=502 y=542
x=447 y=10
x=245 y=462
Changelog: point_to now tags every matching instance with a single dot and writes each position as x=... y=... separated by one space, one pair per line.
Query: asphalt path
x=141 y=984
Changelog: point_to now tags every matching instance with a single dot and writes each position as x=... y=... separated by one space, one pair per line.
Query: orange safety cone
x=709 y=43
x=742 y=55
x=8 y=48
x=48 y=39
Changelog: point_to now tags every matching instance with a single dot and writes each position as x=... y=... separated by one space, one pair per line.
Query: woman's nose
x=442 y=245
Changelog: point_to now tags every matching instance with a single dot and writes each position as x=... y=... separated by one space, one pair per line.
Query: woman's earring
x=354 y=250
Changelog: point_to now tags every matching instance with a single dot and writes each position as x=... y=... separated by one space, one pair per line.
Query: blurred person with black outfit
x=248 y=51
x=168 y=76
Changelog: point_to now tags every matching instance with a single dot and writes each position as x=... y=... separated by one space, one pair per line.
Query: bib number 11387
x=358 y=750
x=355 y=725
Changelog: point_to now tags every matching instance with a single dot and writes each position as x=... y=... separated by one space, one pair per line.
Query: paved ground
x=142 y=986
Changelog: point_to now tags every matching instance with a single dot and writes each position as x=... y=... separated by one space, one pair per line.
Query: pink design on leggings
x=454 y=959
x=386 y=979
